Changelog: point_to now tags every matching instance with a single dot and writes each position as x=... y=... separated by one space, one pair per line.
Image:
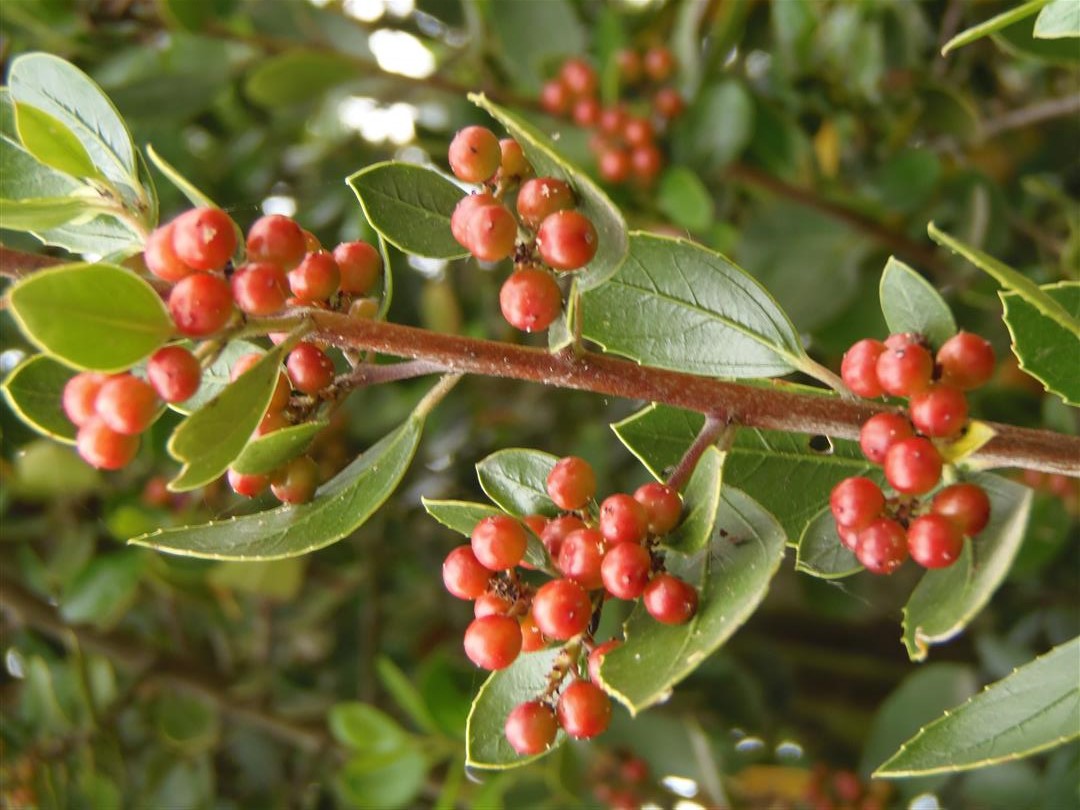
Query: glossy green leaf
x=485 y=738
x=1035 y=708
x=732 y=576
x=530 y=37
x=1046 y=350
x=701 y=500
x=387 y=782
x=22 y=176
x=298 y=76
x=266 y=453
x=995 y=23
x=61 y=90
x=340 y=507
x=592 y=202
x=516 y=480
x=410 y=206
x=51 y=142
x=217 y=375
x=41 y=213
x=1059 y=18
x=685 y=199
x=91 y=316
x=947 y=599
x=693 y=311
x=462 y=517
x=104 y=590
x=33 y=391
x=821 y=553
x=911 y=304
x=211 y=438
x=365 y=729
x=186 y=187
x=1010 y=279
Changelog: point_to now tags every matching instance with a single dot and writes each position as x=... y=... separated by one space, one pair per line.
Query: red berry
x=859 y=368
x=882 y=546
x=670 y=600
x=260 y=288
x=513 y=165
x=536 y=523
x=474 y=154
x=247 y=485
x=668 y=103
x=899 y=340
x=280 y=398
x=316 y=278
x=271 y=421
x=200 y=304
x=625 y=570
x=161 y=259
x=465 y=208
x=174 y=372
x=637 y=131
x=204 y=238
x=913 y=466
x=571 y=484
x=102 y=447
x=276 y=239
x=663 y=506
x=499 y=542
x=127 y=404
x=623 y=519
x=939 y=411
x=584 y=710
x=659 y=63
x=848 y=537
x=491 y=604
x=531 y=728
x=880 y=432
x=934 y=541
x=904 y=370
x=628 y=61
x=556 y=531
x=561 y=609
x=311 y=242
x=614 y=165
x=80 y=395
x=493 y=642
x=310 y=369
x=579 y=77
x=531 y=637
x=596 y=657
x=966 y=361
x=856 y=502
x=646 y=162
x=360 y=265
x=540 y=197
x=530 y=299
x=566 y=240
x=491 y=232
x=296 y=481
x=555 y=98
x=580 y=557
x=463 y=575
x=966 y=505
x=612 y=120
x=585 y=112
x=364 y=309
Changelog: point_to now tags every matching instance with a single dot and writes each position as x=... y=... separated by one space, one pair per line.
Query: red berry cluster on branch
x=883 y=531
x=624 y=133
x=546 y=234
x=610 y=550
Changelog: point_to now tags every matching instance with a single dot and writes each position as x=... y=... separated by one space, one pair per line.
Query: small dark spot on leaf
x=821 y=444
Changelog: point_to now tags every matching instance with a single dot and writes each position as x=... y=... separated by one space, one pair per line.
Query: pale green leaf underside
x=1044 y=349
x=185 y=186
x=1059 y=19
x=911 y=304
x=41 y=213
x=821 y=553
x=1035 y=708
x=991 y=25
x=34 y=389
x=701 y=500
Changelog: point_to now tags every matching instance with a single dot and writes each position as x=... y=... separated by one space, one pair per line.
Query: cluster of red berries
x=599 y=552
x=843 y=790
x=619 y=779
x=555 y=236
x=884 y=531
x=623 y=141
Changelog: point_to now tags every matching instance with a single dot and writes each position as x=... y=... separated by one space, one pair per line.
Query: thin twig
x=712 y=430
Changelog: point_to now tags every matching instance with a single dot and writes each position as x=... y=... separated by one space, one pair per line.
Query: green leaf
x=276 y=580
x=387 y=782
x=516 y=480
x=34 y=389
x=947 y=599
x=410 y=206
x=341 y=506
x=821 y=553
x=462 y=517
x=51 y=142
x=405 y=694
x=530 y=38
x=1019 y=39
x=592 y=202
x=208 y=441
x=701 y=500
x=217 y=376
x=366 y=730
x=732 y=576
x=266 y=453
x=91 y=316
x=685 y=199
x=1044 y=348
x=186 y=187
x=21 y=175
x=47 y=472
x=911 y=304
x=485 y=739
x=61 y=90
x=995 y=23
x=1034 y=709
x=716 y=128
x=298 y=76
x=189 y=724
x=41 y=213
x=693 y=311
x=103 y=591
x=1060 y=18
x=1010 y=279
